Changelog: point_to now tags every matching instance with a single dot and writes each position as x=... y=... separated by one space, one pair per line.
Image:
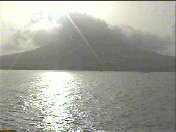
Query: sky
x=155 y=17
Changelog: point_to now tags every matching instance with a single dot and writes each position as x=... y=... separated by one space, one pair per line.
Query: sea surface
x=88 y=101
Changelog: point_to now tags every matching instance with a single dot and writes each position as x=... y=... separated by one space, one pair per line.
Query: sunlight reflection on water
x=87 y=101
x=57 y=83
x=56 y=101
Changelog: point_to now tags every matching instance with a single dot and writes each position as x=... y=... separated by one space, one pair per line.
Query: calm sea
x=32 y=100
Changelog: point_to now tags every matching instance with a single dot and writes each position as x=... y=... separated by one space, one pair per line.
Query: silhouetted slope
x=70 y=51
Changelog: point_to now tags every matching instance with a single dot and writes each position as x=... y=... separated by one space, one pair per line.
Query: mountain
x=87 y=43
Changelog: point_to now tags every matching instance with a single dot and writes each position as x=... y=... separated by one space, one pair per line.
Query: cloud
x=27 y=38
x=43 y=37
x=147 y=41
x=33 y=35
x=152 y=42
x=172 y=29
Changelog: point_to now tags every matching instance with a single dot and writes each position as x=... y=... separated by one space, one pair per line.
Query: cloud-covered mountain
x=81 y=42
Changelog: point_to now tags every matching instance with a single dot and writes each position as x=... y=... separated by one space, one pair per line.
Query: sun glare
x=53 y=99
x=57 y=82
x=22 y=13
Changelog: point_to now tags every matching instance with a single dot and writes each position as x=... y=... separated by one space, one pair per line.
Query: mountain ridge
x=71 y=52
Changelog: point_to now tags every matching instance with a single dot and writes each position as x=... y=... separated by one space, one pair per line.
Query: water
x=87 y=101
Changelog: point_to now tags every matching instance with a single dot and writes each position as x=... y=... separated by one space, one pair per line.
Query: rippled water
x=87 y=101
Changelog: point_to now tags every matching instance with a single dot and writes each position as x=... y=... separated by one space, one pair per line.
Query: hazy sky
x=157 y=17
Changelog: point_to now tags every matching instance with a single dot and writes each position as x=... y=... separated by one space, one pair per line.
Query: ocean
x=89 y=101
